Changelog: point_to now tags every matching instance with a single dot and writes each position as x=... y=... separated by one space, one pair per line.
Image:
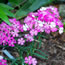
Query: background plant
x=23 y=8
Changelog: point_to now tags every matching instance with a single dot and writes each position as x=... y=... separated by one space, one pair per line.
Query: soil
x=55 y=48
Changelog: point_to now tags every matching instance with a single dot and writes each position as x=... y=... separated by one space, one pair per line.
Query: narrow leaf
x=40 y=56
x=6 y=7
x=4 y=17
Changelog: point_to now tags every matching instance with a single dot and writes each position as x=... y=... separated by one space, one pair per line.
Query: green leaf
x=40 y=56
x=39 y=39
x=30 y=6
x=6 y=7
x=41 y=52
x=14 y=61
x=7 y=12
x=15 y=2
x=23 y=11
x=37 y=4
x=31 y=1
x=4 y=11
x=64 y=23
x=4 y=17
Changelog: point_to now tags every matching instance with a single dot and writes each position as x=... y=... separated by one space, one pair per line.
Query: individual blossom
x=2 y=61
x=21 y=41
x=52 y=24
x=15 y=23
x=29 y=60
x=47 y=28
x=15 y=33
x=34 y=61
x=29 y=37
x=1 y=57
x=33 y=32
x=21 y=28
x=61 y=30
x=25 y=27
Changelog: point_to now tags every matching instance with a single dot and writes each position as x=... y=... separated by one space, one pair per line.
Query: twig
x=63 y=48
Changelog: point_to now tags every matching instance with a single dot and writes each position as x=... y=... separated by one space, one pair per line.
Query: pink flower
x=34 y=61
x=29 y=37
x=47 y=28
x=33 y=32
x=27 y=19
x=15 y=33
x=21 y=41
x=29 y=60
x=54 y=29
x=2 y=61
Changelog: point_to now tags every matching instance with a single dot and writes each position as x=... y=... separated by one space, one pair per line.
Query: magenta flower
x=15 y=33
x=2 y=61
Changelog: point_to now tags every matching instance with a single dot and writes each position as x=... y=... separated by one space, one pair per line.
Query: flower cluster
x=2 y=61
x=29 y=60
x=5 y=35
x=45 y=19
x=8 y=33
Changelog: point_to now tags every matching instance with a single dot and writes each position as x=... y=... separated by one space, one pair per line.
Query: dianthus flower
x=29 y=60
x=21 y=41
x=45 y=19
x=33 y=32
x=34 y=61
x=2 y=61
x=29 y=37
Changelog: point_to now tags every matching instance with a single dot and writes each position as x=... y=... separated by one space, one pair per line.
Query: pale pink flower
x=33 y=32
x=34 y=61
x=21 y=41
x=29 y=37
x=28 y=60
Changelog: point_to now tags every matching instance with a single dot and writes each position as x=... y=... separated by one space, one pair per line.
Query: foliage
x=4 y=11
x=30 y=6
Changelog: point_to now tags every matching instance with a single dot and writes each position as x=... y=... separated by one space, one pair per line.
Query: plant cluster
x=46 y=19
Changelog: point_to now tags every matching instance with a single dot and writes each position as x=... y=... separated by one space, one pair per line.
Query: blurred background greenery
x=20 y=8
